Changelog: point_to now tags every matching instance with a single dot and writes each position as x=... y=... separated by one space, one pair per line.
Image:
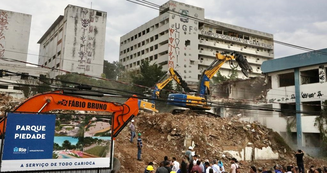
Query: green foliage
x=321 y=122
x=148 y=76
x=112 y=70
x=97 y=150
x=221 y=78
x=67 y=145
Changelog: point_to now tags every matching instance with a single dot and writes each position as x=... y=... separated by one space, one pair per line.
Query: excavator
x=166 y=79
x=199 y=100
x=72 y=100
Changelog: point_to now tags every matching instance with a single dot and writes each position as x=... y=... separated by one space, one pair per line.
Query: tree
x=321 y=122
x=220 y=78
x=112 y=70
x=148 y=75
x=67 y=144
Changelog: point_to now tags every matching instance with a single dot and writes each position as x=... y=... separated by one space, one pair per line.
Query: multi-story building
x=14 y=36
x=298 y=90
x=182 y=38
x=75 y=42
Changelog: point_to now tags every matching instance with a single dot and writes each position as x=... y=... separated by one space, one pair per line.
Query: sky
x=299 y=22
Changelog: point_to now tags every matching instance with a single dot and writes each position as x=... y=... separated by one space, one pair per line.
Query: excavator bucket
x=243 y=64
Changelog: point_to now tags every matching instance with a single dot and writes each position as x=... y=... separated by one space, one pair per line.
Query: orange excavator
x=71 y=100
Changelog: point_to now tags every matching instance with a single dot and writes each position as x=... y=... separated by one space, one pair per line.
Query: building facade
x=14 y=36
x=75 y=42
x=182 y=38
x=298 y=91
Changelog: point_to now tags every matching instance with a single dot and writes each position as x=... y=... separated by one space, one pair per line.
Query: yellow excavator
x=199 y=100
x=166 y=79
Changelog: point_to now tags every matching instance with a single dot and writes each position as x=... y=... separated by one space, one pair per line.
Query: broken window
x=310 y=108
x=310 y=76
x=187 y=43
x=98 y=13
x=288 y=109
x=286 y=79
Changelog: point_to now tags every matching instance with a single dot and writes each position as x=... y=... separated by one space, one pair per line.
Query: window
x=288 y=109
x=310 y=76
x=187 y=43
x=286 y=79
x=58 y=65
x=310 y=108
x=98 y=13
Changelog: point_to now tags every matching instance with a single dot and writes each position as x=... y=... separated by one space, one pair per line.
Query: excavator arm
x=167 y=78
x=58 y=100
x=215 y=66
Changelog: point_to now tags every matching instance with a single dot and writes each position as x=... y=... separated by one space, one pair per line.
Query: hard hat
x=150 y=168
x=132 y=120
x=139 y=134
x=190 y=148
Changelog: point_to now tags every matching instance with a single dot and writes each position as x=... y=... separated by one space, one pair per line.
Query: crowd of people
x=191 y=163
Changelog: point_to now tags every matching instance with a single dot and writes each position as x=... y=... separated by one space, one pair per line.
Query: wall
x=13 y=27
x=265 y=153
x=17 y=94
x=85 y=40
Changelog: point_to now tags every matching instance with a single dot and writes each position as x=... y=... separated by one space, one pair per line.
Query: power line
x=211 y=104
x=157 y=7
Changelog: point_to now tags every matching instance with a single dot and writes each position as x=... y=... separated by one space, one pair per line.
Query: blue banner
x=29 y=136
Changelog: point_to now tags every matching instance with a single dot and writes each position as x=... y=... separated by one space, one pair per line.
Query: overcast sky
x=299 y=22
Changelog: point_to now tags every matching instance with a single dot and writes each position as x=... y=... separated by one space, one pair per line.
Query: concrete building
x=10 y=83
x=182 y=38
x=75 y=42
x=288 y=100
x=14 y=36
x=299 y=87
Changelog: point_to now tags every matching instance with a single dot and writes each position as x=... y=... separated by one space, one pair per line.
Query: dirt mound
x=164 y=134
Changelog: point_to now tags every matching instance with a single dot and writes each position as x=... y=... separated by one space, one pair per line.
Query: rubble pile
x=165 y=134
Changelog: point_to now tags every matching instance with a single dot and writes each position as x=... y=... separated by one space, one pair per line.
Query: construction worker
x=133 y=130
x=139 y=145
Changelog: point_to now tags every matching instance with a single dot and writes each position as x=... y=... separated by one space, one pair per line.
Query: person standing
x=139 y=145
x=299 y=160
x=132 y=130
x=175 y=165
x=234 y=166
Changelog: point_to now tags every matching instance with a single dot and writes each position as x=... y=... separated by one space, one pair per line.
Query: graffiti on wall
x=87 y=39
x=322 y=75
x=236 y=39
x=304 y=95
x=3 y=27
x=174 y=41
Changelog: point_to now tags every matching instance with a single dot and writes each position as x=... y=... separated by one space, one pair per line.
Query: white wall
x=14 y=37
x=85 y=40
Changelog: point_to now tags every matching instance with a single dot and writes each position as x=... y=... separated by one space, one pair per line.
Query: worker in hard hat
x=139 y=145
x=149 y=169
x=132 y=130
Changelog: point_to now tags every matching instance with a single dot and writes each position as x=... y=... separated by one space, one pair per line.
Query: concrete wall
x=85 y=40
x=14 y=36
x=75 y=42
x=11 y=80
x=265 y=153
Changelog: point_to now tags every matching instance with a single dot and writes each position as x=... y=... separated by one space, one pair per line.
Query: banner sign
x=50 y=142
x=29 y=137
